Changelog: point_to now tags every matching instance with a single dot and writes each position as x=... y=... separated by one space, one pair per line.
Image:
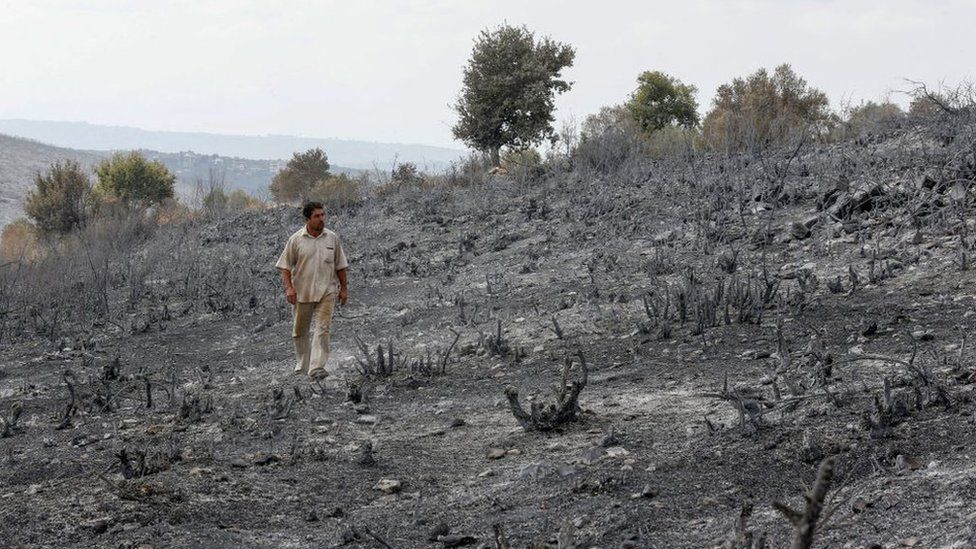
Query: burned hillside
x=688 y=339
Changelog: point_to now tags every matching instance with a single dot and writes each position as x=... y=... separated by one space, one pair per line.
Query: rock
x=663 y=237
x=906 y=463
x=265 y=459
x=802 y=228
x=617 y=451
x=238 y=463
x=457 y=541
x=592 y=455
x=388 y=486
x=566 y=470
x=647 y=492
x=609 y=439
x=958 y=191
x=486 y=473
x=513 y=452
x=361 y=408
x=365 y=454
x=335 y=512
x=367 y=419
x=910 y=542
x=495 y=453
x=311 y=516
x=456 y=422
x=98 y=526
x=533 y=471
x=923 y=335
x=439 y=531
x=859 y=505
x=869 y=328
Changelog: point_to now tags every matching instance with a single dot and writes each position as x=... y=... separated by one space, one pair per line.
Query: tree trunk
x=496 y=157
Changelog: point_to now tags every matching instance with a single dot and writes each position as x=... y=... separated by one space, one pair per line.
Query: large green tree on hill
x=661 y=101
x=300 y=175
x=510 y=83
x=131 y=179
x=57 y=202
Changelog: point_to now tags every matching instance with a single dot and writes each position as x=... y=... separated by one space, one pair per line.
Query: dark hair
x=310 y=207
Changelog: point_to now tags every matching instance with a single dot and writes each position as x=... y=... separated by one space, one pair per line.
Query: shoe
x=318 y=374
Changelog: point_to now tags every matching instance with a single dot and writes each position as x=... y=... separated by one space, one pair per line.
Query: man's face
x=317 y=221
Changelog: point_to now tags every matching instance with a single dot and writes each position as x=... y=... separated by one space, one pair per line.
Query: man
x=311 y=264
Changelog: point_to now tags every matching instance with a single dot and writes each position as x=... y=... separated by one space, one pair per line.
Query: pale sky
x=389 y=70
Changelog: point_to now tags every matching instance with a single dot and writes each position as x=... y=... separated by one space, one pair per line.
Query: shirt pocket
x=329 y=256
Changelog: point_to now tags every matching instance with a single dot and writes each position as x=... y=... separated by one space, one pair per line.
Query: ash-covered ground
x=742 y=319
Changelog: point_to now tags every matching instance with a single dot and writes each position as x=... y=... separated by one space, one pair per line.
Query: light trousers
x=312 y=350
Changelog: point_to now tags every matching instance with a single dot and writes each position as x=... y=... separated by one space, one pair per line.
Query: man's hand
x=343 y=296
x=291 y=295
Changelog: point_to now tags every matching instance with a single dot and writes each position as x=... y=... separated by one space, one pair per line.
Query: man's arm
x=343 y=286
x=290 y=294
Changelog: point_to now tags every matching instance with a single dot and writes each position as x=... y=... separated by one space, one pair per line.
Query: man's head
x=314 y=213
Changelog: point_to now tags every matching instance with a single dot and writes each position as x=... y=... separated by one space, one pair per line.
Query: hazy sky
x=389 y=70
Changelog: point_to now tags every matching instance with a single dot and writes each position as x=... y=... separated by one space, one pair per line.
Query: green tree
x=57 y=202
x=299 y=176
x=661 y=101
x=764 y=108
x=132 y=179
x=509 y=89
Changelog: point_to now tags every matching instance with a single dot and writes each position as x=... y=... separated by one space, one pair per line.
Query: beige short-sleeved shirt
x=313 y=262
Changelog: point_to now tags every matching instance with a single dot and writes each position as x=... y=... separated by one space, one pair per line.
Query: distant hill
x=21 y=159
x=352 y=154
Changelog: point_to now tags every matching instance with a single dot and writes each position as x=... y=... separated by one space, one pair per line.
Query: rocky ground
x=733 y=340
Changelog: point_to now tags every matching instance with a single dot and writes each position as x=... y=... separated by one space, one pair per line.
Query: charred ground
x=742 y=317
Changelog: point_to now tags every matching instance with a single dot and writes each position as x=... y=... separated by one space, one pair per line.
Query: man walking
x=311 y=264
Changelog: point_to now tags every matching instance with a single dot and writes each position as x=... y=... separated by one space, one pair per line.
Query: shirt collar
x=308 y=234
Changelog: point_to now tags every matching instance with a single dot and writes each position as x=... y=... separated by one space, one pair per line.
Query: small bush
x=338 y=191
x=238 y=200
x=606 y=151
x=870 y=118
x=672 y=142
x=58 y=202
x=522 y=164
x=20 y=242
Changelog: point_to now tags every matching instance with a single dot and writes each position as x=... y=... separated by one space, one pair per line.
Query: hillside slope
x=741 y=319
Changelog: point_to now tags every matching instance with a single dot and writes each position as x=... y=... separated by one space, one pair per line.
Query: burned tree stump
x=9 y=424
x=805 y=523
x=564 y=410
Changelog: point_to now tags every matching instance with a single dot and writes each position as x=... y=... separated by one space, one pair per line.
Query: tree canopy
x=764 y=108
x=130 y=178
x=300 y=175
x=509 y=89
x=57 y=202
x=661 y=101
